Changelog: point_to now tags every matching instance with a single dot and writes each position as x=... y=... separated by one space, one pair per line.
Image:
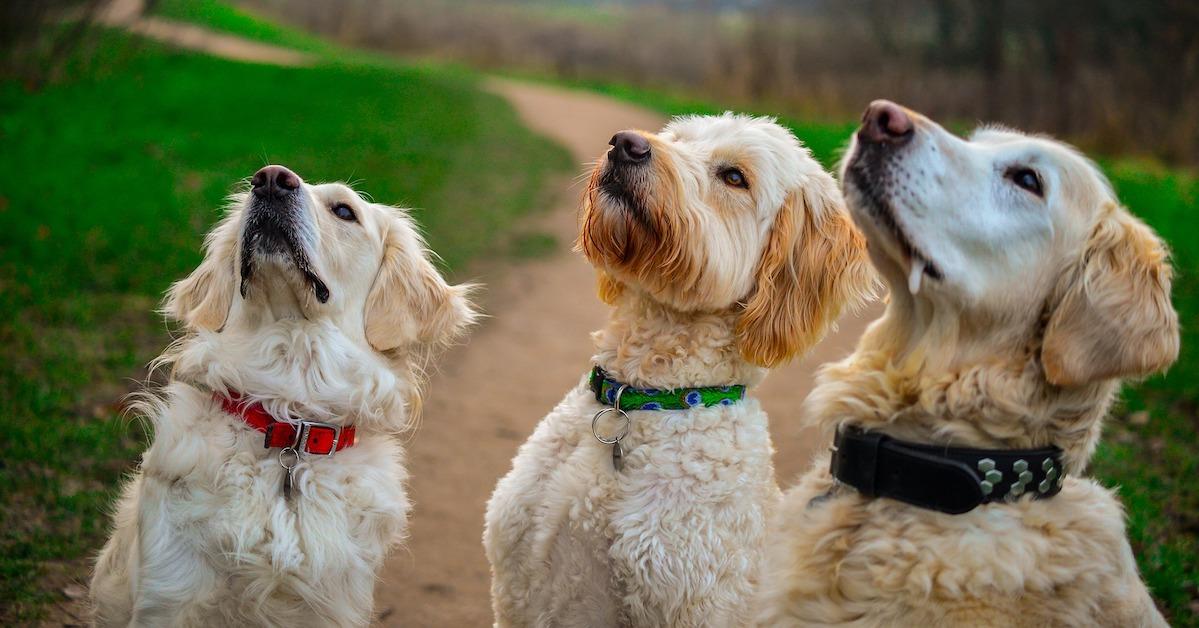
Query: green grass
x=1155 y=466
x=108 y=181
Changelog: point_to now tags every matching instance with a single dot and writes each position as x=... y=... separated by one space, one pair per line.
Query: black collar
x=953 y=480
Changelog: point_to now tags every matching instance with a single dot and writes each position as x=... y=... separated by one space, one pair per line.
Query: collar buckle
x=304 y=437
x=317 y=438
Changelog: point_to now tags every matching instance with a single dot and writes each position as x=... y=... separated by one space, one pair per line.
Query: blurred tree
x=36 y=36
x=989 y=34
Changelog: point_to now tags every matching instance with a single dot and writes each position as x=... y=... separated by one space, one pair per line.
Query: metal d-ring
x=291 y=452
x=624 y=430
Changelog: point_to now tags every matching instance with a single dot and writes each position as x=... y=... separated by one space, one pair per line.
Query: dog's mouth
x=621 y=188
x=273 y=232
x=863 y=177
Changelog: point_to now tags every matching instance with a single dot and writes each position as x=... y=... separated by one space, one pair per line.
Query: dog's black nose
x=628 y=147
x=885 y=122
x=274 y=181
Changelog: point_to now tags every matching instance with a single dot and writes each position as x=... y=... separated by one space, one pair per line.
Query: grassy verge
x=1150 y=453
x=107 y=184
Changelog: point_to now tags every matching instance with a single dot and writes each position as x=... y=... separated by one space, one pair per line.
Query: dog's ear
x=409 y=301
x=813 y=267
x=202 y=299
x=1114 y=318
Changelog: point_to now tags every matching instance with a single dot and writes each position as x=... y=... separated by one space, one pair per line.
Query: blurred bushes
x=1113 y=75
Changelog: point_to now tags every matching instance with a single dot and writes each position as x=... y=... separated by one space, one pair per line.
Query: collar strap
x=952 y=480
x=606 y=389
x=311 y=437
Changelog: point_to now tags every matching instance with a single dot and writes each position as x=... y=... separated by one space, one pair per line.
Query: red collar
x=322 y=439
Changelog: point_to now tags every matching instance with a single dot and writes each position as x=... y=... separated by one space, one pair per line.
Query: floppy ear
x=814 y=265
x=202 y=299
x=409 y=301
x=1114 y=318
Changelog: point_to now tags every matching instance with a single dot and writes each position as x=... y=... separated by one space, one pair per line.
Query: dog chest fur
x=674 y=539
x=847 y=560
x=209 y=500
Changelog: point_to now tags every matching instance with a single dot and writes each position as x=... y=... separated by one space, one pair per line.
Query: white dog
x=723 y=248
x=1021 y=293
x=308 y=319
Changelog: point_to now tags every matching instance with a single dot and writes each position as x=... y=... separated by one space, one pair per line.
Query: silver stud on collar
x=1023 y=478
x=990 y=473
x=1052 y=476
x=991 y=476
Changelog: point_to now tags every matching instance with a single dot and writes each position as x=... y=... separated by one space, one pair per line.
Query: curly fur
x=703 y=279
x=968 y=361
x=201 y=533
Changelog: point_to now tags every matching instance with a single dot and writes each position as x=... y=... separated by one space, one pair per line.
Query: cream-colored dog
x=723 y=248
x=1021 y=293
x=311 y=305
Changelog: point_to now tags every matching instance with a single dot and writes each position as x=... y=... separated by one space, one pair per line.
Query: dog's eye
x=734 y=177
x=343 y=211
x=1027 y=179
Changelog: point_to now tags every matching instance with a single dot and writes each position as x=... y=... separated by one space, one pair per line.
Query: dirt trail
x=127 y=14
x=536 y=342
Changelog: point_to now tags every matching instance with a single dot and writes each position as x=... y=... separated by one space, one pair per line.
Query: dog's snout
x=274 y=181
x=885 y=122
x=628 y=147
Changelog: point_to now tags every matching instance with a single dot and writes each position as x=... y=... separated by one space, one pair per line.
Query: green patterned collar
x=606 y=389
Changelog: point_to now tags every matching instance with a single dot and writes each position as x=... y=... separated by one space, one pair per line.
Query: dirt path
x=537 y=342
x=127 y=14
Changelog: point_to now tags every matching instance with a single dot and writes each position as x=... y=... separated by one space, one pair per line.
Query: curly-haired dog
x=1021 y=294
x=308 y=320
x=723 y=248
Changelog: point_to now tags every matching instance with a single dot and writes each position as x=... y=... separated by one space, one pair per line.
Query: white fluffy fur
x=675 y=539
x=202 y=535
x=1043 y=302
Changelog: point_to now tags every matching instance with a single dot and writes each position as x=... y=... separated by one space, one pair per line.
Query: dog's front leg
x=173 y=585
x=113 y=584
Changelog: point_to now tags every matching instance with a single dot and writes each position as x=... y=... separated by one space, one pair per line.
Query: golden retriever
x=723 y=248
x=1021 y=294
x=309 y=317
